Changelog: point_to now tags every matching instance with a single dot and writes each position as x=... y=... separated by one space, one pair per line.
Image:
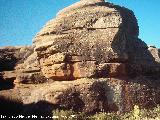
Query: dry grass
x=136 y=114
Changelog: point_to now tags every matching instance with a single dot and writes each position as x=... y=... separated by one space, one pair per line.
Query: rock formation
x=87 y=35
x=10 y=57
x=89 y=58
x=159 y=52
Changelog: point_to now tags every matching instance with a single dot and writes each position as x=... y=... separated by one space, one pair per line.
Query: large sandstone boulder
x=85 y=95
x=89 y=58
x=87 y=35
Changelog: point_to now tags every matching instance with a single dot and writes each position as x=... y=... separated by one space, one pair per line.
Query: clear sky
x=20 y=20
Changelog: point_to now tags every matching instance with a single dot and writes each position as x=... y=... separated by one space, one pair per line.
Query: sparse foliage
x=135 y=114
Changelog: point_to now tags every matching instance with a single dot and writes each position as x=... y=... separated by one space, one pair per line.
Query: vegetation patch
x=135 y=114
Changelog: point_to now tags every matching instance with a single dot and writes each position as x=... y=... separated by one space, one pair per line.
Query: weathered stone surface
x=90 y=95
x=8 y=74
x=29 y=71
x=155 y=53
x=78 y=5
x=7 y=80
x=11 y=95
x=124 y=93
x=88 y=69
x=89 y=58
x=10 y=56
x=141 y=59
x=81 y=95
x=87 y=33
x=10 y=102
x=31 y=64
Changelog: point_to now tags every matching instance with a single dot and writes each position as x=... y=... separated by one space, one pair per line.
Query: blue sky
x=20 y=20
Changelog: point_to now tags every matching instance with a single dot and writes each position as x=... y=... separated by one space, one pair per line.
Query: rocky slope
x=89 y=59
x=10 y=57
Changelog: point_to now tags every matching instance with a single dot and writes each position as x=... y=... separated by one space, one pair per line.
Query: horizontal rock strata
x=87 y=34
x=10 y=57
x=87 y=59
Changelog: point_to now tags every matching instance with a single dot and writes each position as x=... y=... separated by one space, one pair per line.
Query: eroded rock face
x=155 y=53
x=83 y=95
x=29 y=71
x=159 y=52
x=89 y=59
x=85 y=35
x=11 y=56
x=86 y=95
x=142 y=60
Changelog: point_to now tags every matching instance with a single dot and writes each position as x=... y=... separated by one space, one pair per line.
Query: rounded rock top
x=94 y=0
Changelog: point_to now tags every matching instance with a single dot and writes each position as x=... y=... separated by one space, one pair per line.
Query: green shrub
x=105 y=116
x=63 y=115
x=68 y=115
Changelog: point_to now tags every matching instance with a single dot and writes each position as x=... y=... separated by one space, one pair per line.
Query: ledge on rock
x=83 y=38
x=89 y=59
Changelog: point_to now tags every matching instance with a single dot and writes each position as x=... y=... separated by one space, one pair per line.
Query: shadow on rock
x=6 y=84
x=42 y=109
